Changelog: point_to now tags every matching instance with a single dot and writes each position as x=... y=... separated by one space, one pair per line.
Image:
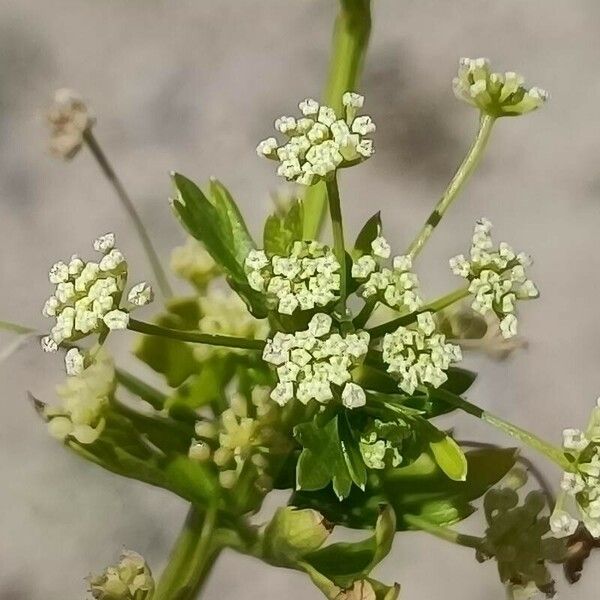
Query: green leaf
x=172 y=358
x=421 y=488
x=351 y=451
x=322 y=460
x=370 y=230
x=450 y=458
x=282 y=229
x=343 y=563
x=218 y=224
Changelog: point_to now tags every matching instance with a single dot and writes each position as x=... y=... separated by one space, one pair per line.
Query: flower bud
x=131 y=579
x=295 y=532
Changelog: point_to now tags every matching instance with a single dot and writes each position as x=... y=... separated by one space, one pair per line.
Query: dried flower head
x=320 y=142
x=69 y=118
x=497 y=94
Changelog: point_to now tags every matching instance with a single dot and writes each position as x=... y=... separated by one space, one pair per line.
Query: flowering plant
x=315 y=367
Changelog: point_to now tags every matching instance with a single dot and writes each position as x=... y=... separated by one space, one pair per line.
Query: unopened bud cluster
x=193 y=263
x=306 y=279
x=311 y=364
x=319 y=142
x=581 y=485
x=396 y=287
x=381 y=443
x=497 y=277
x=226 y=314
x=88 y=295
x=84 y=397
x=419 y=355
x=241 y=438
x=130 y=579
x=69 y=119
x=497 y=94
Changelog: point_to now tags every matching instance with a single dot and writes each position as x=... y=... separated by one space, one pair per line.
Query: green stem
x=555 y=454
x=365 y=313
x=195 y=336
x=140 y=388
x=350 y=41
x=109 y=172
x=409 y=318
x=15 y=328
x=191 y=559
x=444 y=533
x=339 y=247
x=467 y=167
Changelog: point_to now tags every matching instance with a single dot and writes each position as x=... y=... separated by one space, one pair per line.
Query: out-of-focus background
x=193 y=85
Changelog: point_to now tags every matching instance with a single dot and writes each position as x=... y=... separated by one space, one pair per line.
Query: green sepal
x=421 y=489
x=283 y=228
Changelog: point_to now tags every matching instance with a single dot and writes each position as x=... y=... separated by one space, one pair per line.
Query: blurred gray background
x=193 y=85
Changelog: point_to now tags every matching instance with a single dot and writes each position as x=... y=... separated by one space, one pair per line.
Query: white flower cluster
x=69 y=118
x=87 y=295
x=419 y=355
x=378 y=451
x=320 y=142
x=84 y=396
x=309 y=362
x=497 y=277
x=309 y=277
x=131 y=579
x=497 y=94
x=581 y=486
x=244 y=432
x=226 y=314
x=396 y=287
x=193 y=263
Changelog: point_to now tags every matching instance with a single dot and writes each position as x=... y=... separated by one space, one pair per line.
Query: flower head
x=396 y=287
x=87 y=297
x=193 y=263
x=84 y=395
x=419 y=355
x=581 y=485
x=497 y=277
x=497 y=94
x=319 y=142
x=312 y=364
x=306 y=279
x=130 y=579
x=381 y=443
x=69 y=118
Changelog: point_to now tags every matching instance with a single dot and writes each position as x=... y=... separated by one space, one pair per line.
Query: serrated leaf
x=322 y=460
x=371 y=229
x=282 y=229
x=421 y=488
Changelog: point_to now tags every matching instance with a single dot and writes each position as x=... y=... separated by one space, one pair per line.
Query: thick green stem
x=109 y=172
x=445 y=533
x=531 y=440
x=350 y=41
x=409 y=318
x=339 y=247
x=191 y=559
x=195 y=336
x=460 y=177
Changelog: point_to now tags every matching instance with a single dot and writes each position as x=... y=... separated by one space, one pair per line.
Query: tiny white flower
x=381 y=247
x=141 y=294
x=59 y=273
x=74 y=362
x=112 y=260
x=320 y=325
x=105 y=243
x=309 y=107
x=574 y=439
x=267 y=148
x=353 y=396
x=508 y=326
x=116 y=319
x=572 y=483
x=285 y=124
x=199 y=450
x=562 y=524
x=48 y=344
x=283 y=393
x=353 y=99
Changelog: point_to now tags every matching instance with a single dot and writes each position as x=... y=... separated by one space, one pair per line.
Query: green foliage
x=421 y=488
x=371 y=229
x=218 y=224
x=283 y=228
x=449 y=457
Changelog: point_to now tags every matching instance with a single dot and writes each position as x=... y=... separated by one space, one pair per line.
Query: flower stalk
x=461 y=176
x=128 y=205
x=444 y=533
x=335 y=210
